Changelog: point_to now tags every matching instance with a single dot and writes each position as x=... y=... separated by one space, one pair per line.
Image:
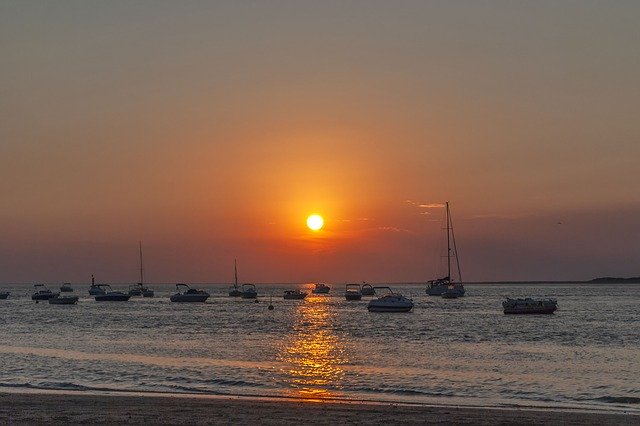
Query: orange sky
x=210 y=132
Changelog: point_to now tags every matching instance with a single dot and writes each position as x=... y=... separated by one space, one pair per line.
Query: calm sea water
x=462 y=351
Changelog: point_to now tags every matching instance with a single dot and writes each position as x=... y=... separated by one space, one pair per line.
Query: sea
x=454 y=352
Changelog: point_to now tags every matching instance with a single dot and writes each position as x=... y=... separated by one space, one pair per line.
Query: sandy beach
x=75 y=408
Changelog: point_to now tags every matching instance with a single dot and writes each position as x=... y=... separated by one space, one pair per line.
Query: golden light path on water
x=314 y=354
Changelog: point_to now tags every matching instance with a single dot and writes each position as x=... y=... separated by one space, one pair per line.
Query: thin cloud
x=359 y=219
x=393 y=229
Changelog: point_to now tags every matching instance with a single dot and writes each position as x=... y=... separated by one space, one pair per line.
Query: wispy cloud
x=393 y=229
x=359 y=219
x=424 y=205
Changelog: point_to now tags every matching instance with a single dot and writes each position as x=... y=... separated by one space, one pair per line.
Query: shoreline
x=38 y=406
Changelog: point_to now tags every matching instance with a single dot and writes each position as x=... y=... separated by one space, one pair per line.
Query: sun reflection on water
x=314 y=354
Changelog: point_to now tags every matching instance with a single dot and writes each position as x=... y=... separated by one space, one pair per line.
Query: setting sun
x=315 y=222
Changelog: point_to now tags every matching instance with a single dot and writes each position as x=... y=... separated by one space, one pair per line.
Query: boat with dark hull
x=321 y=288
x=42 y=293
x=249 y=291
x=4 y=295
x=294 y=295
x=353 y=292
x=95 y=289
x=529 y=306
x=367 y=290
x=135 y=290
x=111 y=295
x=63 y=300
x=184 y=293
x=66 y=288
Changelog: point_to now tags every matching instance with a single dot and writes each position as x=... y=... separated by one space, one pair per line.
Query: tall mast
x=235 y=270
x=141 y=267
x=448 y=244
x=455 y=249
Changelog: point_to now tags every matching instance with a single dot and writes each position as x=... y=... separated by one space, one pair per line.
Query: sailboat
x=445 y=286
x=140 y=289
x=234 y=290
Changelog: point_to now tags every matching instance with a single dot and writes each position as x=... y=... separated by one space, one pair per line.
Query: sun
x=315 y=222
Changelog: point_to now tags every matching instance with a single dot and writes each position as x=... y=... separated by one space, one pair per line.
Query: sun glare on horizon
x=315 y=222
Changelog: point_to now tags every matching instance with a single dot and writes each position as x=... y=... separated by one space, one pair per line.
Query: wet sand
x=77 y=408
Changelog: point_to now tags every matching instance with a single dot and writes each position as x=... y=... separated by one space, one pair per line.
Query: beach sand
x=76 y=408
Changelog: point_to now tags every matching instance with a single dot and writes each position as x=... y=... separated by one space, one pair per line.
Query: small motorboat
x=4 y=294
x=110 y=295
x=42 y=293
x=95 y=289
x=529 y=306
x=294 y=295
x=184 y=293
x=353 y=292
x=63 y=300
x=147 y=292
x=367 y=290
x=390 y=302
x=249 y=291
x=321 y=288
x=66 y=288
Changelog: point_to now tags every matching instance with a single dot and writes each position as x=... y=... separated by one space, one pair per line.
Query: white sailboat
x=446 y=286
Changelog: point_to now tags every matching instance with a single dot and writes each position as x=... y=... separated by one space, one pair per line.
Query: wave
x=619 y=399
x=66 y=386
x=157 y=387
x=401 y=391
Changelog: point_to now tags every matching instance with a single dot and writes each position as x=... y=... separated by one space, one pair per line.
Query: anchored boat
x=63 y=300
x=184 y=293
x=249 y=291
x=110 y=295
x=42 y=293
x=367 y=290
x=321 y=288
x=95 y=289
x=294 y=295
x=390 y=302
x=353 y=292
x=446 y=287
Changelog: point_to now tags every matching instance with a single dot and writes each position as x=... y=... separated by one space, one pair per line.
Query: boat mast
x=448 y=245
x=455 y=248
x=235 y=270
x=141 y=267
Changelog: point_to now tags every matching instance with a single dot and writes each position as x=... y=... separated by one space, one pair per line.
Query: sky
x=210 y=131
